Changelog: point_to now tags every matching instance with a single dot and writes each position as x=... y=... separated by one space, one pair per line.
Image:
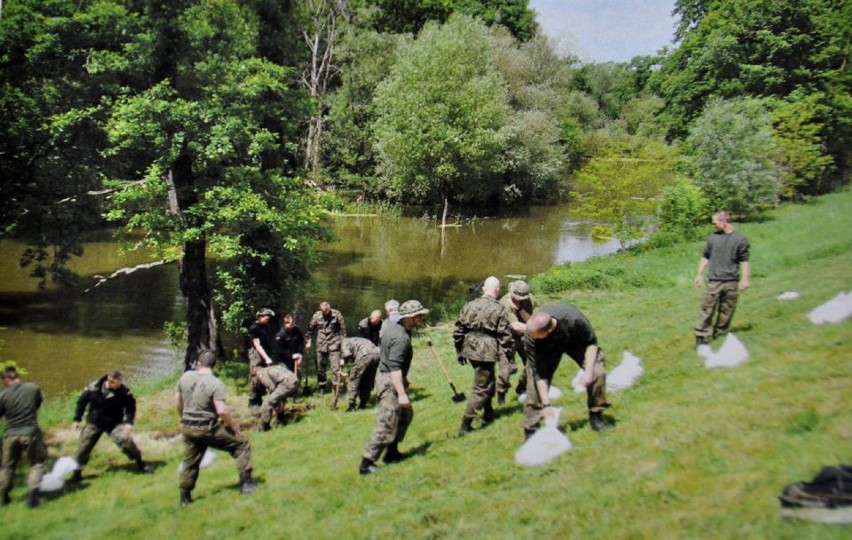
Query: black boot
x=32 y=499
x=466 y=426
x=264 y=426
x=143 y=467
x=351 y=407
x=247 y=484
x=77 y=475
x=501 y=398
x=185 y=498
x=368 y=466
x=528 y=433
x=392 y=454
x=598 y=422
x=700 y=340
x=6 y=499
x=487 y=414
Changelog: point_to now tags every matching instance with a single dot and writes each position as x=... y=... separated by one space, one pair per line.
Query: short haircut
x=722 y=216
x=10 y=373
x=115 y=376
x=538 y=322
x=288 y=318
x=392 y=306
x=207 y=358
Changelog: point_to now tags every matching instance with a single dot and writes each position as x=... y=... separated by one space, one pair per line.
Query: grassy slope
x=697 y=453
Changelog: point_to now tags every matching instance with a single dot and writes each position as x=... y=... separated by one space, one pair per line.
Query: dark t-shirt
x=288 y=343
x=19 y=404
x=396 y=352
x=725 y=253
x=198 y=391
x=261 y=332
x=573 y=334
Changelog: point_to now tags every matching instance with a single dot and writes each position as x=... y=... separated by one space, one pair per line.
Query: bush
x=681 y=215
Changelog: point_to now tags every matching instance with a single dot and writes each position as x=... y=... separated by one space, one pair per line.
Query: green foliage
x=621 y=187
x=729 y=155
x=441 y=116
x=682 y=212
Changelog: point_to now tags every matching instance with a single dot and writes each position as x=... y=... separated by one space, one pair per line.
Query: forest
x=226 y=129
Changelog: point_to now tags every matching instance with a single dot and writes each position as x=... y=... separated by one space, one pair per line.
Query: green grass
x=696 y=454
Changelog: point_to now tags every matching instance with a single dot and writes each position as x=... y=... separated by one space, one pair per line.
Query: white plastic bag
x=838 y=309
x=206 y=461
x=55 y=479
x=789 y=295
x=731 y=353
x=545 y=445
x=625 y=375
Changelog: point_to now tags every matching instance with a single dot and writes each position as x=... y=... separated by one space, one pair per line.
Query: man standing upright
x=327 y=329
x=394 y=412
x=290 y=344
x=520 y=304
x=206 y=422
x=112 y=410
x=725 y=252
x=259 y=353
x=19 y=404
x=552 y=331
x=482 y=337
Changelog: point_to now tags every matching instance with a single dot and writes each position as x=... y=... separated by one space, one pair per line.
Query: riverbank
x=696 y=453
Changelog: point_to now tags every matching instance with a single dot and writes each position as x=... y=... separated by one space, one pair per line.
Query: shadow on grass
x=418 y=450
x=576 y=425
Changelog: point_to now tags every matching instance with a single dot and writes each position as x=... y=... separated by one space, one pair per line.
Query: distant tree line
x=225 y=127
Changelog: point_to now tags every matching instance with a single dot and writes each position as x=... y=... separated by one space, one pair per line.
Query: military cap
x=265 y=312
x=411 y=308
x=519 y=289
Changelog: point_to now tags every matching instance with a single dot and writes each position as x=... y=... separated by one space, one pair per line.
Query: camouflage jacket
x=482 y=331
x=357 y=348
x=329 y=331
x=274 y=375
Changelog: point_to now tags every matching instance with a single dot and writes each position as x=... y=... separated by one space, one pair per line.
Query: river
x=66 y=338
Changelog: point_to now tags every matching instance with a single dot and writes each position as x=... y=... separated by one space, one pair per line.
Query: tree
x=729 y=154
x=441 y=116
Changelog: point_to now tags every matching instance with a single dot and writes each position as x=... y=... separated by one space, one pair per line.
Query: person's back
x=198 y=390
x=19 y=405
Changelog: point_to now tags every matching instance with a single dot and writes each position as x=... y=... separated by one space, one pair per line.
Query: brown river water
x=67 y=338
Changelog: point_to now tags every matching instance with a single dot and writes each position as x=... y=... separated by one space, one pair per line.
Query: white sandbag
x=625 y=375
x=554 y=393
x=704 y=351
x=64 y=466
x=836 y=310
x=522 y=398
x=731 y=353
x=50 y=483
x=545 y=445
x=207 y=460
x=577 y=382
x=789 y=295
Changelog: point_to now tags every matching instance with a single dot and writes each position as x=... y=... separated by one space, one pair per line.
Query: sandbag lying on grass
x=789 y=295
x=625 y=375
x=545 y=445
x=206 y=461
x=836 y=310
x=731 y=353
x=55 y=479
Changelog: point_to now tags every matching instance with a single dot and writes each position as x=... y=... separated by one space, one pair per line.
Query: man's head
x=375 y=317
x=264 y=314
x=411 y=313
x=115 y=380
x=207 y=359
x=540 y=325
x=721 y=221
x=10 y=376
x=391 y=307
x=288 y=321
x=325 y=307
x=519 y=290
x=491 y=287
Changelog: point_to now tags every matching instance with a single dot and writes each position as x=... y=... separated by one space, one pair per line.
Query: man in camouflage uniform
x=280 y=383
x=370 y=327
x=725 y=252
x=552 y=331
x=259 y=352
x=200 y=403
x=482 y=337
x=112 y=410
x=519 y=304
x=364 y=357
x=327 y=329
x=394 y=412
x=19 y=404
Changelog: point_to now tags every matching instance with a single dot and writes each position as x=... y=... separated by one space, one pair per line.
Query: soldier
x=290 y=344
x=280 y=383
x=369 y=327
x=394 y=412
x=19 y=403
x=328 y=330
x=483 y=338
x=519 y=304
x=364 y=357
x=200 y=402
x=551 y=331
x=259 y=352
x=392 y=310
x=112 y=410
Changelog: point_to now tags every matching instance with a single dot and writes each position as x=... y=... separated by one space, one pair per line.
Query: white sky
x=607 y=30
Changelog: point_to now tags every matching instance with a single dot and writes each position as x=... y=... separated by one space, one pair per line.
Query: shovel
x=457 y=396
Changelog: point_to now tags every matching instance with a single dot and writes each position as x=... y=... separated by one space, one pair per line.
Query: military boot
x=143 y=467
x=466 y=426
x=32 y=499
x=528 y=433
x=351 y=407
x=6 y=499
x=487 y=414
x=247 y=484
x=501 y=398
x=185 y=498
x=368 y=466
x=598 y=422
x=264 y=426
x=77 y=475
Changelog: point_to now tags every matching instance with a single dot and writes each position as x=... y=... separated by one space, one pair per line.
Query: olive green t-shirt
x=19 y=405
x=198 y=390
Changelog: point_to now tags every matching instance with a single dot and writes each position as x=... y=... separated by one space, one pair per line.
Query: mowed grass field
x=696 y=453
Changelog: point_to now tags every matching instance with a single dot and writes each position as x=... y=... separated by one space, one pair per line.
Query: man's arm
x=82 y=401
x=745 y=280
x=702 y=265
x=179 y=404
x=399 y=385
x=589 y=364
x=225 y=415
x=259 y=348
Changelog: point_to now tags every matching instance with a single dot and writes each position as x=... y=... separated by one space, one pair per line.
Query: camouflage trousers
x=719 y=297
x=325 y=360
x=392 y=421
x=196 y=441
x=91 y=434
x=13 y=447
x=595 y=392
x=277 y=396
x=483 y=388
x=256 y=389
x=361 y=379
x=506 y=368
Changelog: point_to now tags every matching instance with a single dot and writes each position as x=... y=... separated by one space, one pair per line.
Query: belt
x=197 y=423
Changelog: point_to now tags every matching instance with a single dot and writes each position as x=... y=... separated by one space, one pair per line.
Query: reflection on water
x=66 y=339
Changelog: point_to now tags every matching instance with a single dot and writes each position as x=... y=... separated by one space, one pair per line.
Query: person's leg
x=89 y=437
x=37 y=453
x=11 y=456
x=704 y=325
x=728 y=295
x=596 y=394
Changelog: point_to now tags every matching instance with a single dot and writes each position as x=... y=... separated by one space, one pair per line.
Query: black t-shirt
x=288 y=343
x=261 y=332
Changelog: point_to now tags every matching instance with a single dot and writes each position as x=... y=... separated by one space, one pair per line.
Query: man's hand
x=698 y=281
x=548 y=411
x=404 y=402
x=743 y=285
